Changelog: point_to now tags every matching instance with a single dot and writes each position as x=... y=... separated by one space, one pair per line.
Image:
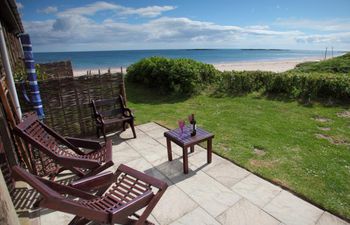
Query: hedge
x=183 y=76
x=294 y=84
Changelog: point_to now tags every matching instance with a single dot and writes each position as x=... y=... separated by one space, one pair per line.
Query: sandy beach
x=81 y=72
x=273 y=66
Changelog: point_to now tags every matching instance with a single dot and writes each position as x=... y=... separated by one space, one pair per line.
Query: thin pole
x=325 y=53
x=8 y=72
x=332 y=51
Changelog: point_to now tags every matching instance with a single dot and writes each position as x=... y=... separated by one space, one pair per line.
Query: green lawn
x=304 y=148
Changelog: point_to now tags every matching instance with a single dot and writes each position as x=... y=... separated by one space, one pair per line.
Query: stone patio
x=216 y=193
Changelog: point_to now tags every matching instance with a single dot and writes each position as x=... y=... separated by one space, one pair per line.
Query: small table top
x=185 y=139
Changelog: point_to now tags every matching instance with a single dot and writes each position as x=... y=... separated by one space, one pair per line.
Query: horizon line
x=195 y=49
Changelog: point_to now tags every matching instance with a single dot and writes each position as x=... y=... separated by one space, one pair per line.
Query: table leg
x=185 y=159
x=209 y=150
x=192 y=148
x=168 y=145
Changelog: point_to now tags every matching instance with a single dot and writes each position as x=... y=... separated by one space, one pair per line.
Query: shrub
x=183 y=76
x=242 y=82
x=340 y=64
x=293 y=84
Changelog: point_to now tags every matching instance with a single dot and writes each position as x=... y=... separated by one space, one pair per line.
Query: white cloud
x=258 y=27
x=80 y=29
x=19 y=5
x=319 y=25
x=151 y=11
x=343 y=37
x=48 y=10
x=91 y=9
x=75 y=29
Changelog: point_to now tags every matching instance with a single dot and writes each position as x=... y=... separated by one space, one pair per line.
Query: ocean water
x=113 y=59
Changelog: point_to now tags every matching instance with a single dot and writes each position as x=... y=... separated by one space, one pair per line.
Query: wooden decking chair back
x=118 y=196
x=108 y=112
x=54 y=153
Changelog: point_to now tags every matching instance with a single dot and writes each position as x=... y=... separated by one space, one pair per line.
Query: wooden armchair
x=112 y=111
x=116 y=199
x=56 y=153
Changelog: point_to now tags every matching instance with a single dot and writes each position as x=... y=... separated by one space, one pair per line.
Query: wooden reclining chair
x=57 y=153
x=116 y=199
x=112 y=111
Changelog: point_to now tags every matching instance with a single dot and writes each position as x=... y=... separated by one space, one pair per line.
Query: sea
x=124 y=58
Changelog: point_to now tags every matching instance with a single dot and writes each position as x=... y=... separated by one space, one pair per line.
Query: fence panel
x=65 y=101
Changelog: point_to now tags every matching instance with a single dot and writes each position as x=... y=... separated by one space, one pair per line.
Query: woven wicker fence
x=66 y=101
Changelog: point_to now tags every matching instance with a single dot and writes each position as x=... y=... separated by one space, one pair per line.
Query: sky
x=70 y=25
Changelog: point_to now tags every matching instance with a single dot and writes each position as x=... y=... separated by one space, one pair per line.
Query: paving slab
x=196 y=217
x=142 y=165
x=257 y=190
x=145 y=142
x=54 y=217
x=329 y=219
x=157 y=132
x=172 y=169
x=156 y=155
x=212 y=196
x=227 y=173
x=173 y=205
x=124 y=155
x=119 y=146
x=245 y=213
x=292 y=210
x=148 y=126
x=199 y=161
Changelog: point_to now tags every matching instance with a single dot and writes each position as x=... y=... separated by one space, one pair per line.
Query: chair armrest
x=94 y=182
x=143 y=177
x=99 y=118
x=84 y=143
x=64 y=189
x=129 y=111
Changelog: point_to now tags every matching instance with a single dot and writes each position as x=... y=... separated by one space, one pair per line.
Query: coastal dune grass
x=305 y=148
x=338 y=64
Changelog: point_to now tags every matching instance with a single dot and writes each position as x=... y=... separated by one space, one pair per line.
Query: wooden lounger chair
x=117 y=196
x=57 y=153
x=108 y=112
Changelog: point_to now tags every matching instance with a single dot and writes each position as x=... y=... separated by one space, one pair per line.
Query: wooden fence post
x=122 y=88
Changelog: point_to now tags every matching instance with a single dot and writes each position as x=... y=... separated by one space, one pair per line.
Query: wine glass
x=190 y=118
x=181 y=126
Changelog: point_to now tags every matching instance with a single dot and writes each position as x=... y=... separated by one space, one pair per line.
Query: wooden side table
x=185 y=140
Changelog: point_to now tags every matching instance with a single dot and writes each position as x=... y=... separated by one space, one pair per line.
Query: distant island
x=201 y=49
x=264 y=49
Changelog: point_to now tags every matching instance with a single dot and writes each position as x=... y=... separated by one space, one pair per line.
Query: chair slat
x=47 y=141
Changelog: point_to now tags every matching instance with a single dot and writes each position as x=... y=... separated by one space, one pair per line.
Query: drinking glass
x=181 y=126
x=190 y=118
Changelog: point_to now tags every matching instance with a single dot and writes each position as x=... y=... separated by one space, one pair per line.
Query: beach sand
x=273 y=66
x=81 y=72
